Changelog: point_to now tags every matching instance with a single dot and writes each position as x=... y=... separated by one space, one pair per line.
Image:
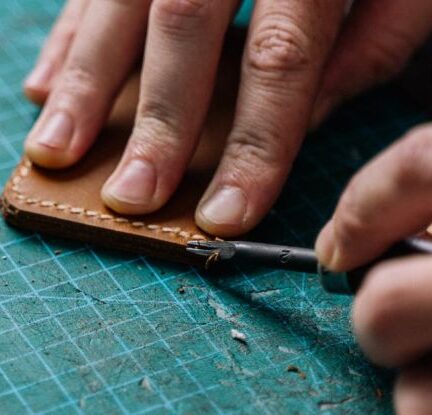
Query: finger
x=98 y=64
x=386 y=201
x=392 y=313
x=378 y=40
x=53 y=55
x=183 y=47
x=285 y=54
x=412 y=391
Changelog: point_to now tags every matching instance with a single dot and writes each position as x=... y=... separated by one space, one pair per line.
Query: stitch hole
x=24 y=171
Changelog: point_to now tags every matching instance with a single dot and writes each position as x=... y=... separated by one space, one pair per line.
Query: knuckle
x=155 y=132
x=253 y=159
x=278 y=47
x=385 y=62
x=179 y=15
x=79 y=82
x=388 y=54
x=255 y=148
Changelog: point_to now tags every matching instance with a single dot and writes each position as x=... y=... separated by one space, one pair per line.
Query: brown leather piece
x=67 y=203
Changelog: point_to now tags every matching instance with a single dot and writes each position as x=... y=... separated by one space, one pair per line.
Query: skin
x=302 y=59
x=392 y=311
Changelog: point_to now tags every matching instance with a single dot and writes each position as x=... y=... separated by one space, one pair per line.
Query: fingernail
x=325 y=246
x=226 y=207
x=40 y=76
x=135 y=184
x=57 y=131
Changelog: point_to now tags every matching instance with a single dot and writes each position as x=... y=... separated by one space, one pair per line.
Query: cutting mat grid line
x=90 y=331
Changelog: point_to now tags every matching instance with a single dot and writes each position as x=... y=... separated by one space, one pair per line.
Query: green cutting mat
x=84 y=330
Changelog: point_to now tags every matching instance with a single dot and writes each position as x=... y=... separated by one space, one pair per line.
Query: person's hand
x=95 y=43
x=387 y=201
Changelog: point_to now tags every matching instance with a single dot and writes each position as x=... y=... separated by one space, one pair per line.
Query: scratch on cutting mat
x=326 y=406
x=234 y=365
x=86 y=294
x=114 y=302
x=221 y=311
x=284 y=349
x=258 y=295
x=182 y=289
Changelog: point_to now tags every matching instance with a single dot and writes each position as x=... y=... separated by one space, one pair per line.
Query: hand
x=95 y=43
x=388 y=200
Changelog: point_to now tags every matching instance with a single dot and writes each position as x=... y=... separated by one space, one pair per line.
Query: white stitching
x=23 y=171
x=32 y=201
x=76 y=210
x=105 y=217
x=153 y=227
x=91 y=213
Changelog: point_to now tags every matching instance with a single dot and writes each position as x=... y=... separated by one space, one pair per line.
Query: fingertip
x=326 y=248
x=37 y=84
x=131 y=190
x=120 y=206
x=47 y=157
x=35 y=94
x=49 y=143
x=223 y=213
x=221 y=230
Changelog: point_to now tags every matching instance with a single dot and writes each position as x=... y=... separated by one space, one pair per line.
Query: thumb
x=386 y=201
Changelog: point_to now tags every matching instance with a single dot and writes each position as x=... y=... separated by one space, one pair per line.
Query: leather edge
x=20 y=218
